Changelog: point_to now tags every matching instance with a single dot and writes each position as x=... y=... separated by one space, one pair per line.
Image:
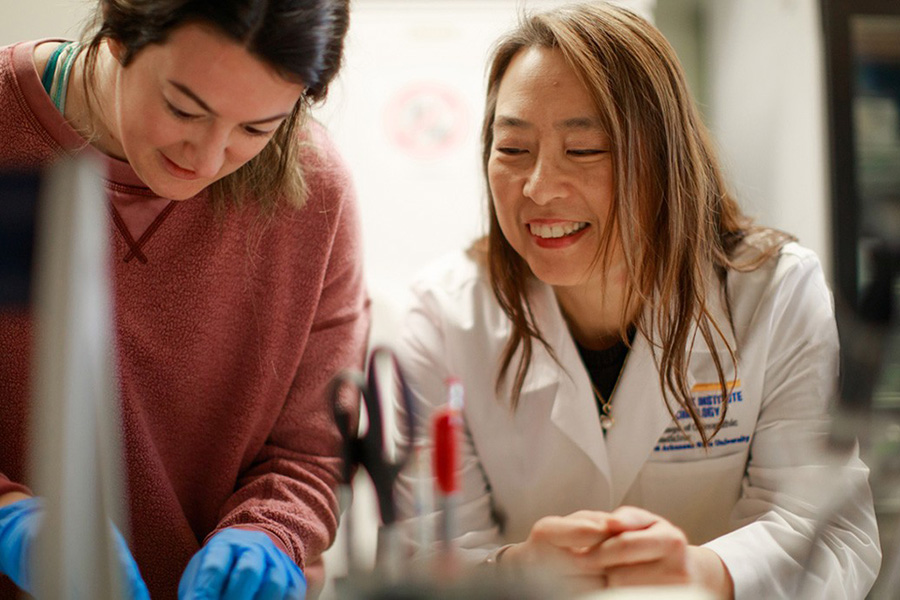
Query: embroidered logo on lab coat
x=708 y=402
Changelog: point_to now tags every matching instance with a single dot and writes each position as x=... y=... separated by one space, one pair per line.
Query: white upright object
x=75 y=457
x=675 y=592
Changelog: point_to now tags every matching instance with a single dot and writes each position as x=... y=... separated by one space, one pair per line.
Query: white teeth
x=555 y=231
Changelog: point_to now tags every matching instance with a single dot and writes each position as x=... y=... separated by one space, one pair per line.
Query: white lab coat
x=753 y=497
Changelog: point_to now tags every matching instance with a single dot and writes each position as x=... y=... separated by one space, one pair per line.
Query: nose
x=545 y=181
x=207 y=152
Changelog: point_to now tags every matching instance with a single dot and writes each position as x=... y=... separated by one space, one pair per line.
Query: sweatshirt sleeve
x=805 y=519
x=290 y=490
x=15 y=398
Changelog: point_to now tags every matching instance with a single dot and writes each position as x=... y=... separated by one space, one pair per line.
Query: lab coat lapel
x=574 y=411
x=639 y=407
x=640 y=417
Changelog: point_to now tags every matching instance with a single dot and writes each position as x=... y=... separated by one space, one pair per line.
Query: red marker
x=447 y=430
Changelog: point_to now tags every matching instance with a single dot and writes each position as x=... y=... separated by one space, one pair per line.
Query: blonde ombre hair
x=677 y=223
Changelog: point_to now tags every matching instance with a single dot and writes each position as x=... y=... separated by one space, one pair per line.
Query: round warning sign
x=426 y=120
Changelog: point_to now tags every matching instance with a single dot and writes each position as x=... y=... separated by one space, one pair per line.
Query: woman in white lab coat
x=647 y=373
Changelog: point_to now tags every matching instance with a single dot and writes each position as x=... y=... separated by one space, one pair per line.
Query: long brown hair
x=303 y=40
x=677 y=223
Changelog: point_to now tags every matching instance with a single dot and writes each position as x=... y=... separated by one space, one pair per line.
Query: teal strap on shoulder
x=55 y=78
x=62 y=83
x=50 y=69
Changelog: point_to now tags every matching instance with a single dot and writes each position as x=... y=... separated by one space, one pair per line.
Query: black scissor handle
x=344 y=419
x=370 y=450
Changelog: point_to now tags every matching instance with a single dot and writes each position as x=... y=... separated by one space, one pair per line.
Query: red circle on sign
x=426 y=120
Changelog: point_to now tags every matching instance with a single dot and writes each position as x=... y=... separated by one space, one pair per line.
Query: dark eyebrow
x=511 y=122
x=579 y=123
x=190 y=94
x=573 y=123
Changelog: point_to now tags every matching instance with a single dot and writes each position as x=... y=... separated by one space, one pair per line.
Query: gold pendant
x=606 y=422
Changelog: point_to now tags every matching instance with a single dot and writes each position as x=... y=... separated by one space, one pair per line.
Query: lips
x=555 y=234
x=176 y=171
x=556 y=230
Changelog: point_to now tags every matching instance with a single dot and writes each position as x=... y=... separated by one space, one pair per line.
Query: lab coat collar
x=639 y=407
x=640 y=415
x=574 y=410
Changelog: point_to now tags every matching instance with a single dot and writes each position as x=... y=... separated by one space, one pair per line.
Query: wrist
x=711 y=572
x=12 y=497
x=271 y=534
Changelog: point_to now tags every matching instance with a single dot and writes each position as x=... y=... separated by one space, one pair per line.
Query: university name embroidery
x=708 y=401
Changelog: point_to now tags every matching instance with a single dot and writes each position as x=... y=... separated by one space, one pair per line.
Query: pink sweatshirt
x=228 y=332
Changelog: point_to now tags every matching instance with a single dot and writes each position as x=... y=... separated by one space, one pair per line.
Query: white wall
x=33 y=19
x=765 y=85
x=406 y=115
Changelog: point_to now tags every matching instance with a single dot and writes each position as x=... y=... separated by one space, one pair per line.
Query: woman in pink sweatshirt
x=237 y=277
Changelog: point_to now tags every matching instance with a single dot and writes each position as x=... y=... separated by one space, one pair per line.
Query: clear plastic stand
x=75 y=428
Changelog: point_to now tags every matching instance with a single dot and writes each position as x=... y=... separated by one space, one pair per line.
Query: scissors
x=379 y=451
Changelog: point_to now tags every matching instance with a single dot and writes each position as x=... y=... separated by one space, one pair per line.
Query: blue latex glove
x=19 y=525
x=237 y=564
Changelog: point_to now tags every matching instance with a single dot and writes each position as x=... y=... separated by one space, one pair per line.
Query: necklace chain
x=606 y=418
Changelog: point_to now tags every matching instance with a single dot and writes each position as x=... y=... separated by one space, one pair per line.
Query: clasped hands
x=626 y=547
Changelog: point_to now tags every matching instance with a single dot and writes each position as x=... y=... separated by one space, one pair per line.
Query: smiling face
x=193 y=110
x=550 y=170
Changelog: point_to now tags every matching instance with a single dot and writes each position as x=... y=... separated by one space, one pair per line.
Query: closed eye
x=177 y=112
x=258 y=132
x=587 y=152
x=511 y=151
